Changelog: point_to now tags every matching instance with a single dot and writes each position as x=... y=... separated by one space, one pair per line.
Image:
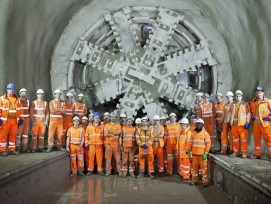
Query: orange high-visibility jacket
x=158 y=133
x=67 y=117
x=144 y=136
x=39 y=111
x=183 y=143
x=94 y=135
x=76 y=135
x=200 y=142
x=173 y=133
x=9 y=110
x=25 y=108
x=112 y=132
x=198 y=109
x=208 y=113
x=57 y=109
x=242 y=116
x=226 y=111
x=128 y=136
x=261 y=109
x=219 y=112
x=80 y=109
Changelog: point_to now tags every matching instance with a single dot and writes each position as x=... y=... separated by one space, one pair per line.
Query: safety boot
x=193 y=183
x=49 y=149
x=132 y=175
x=141 y=174
x=244 y=156
x=180 y=177
x=61 y=149
x=152 y=175
x=205 y=185
x=14 y=153
x=80 y=173
x=120 y=174
x=73 y=174
x=3 y=154
x=124 y=175
x=107 y=174
x=233 y=155
x=89 y=173
x=101 y=173
x=255 y=157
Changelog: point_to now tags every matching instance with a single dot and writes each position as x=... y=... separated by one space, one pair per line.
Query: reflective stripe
x=42 y=116
x=68 y=114
x=12 y=111
x=57 y=116
x=25 y=116
x=195 y=145
x=25 y=135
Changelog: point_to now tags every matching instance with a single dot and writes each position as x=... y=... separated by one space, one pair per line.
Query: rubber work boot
x=80 y=173
x=101 y=173
x=73 y=174
x=141 y=174
x=89 y=173
x=14 y=153
x=120 y=174
x=233 y=155
x=244 y=156
x=132 y=175
x=107 y=174
x=152 y=175
x=255 y=157
x=49 y=149
x=193 y=183
x=3 y=154
x=180 y=177
x=124 y=175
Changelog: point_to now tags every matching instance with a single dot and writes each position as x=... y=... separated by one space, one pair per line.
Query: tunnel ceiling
x=142 y=57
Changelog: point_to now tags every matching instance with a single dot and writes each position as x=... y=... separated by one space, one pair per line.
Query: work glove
x=266 y=118
x=1 y=121
x=144 y=146
x=46 y=123
x=189 y=154
x=135 y=148
x=220 y=128
x=228 y=125
x=246 y=126
x=204 y=156
x=87 y=147
x=33 y=123
x=20 y=122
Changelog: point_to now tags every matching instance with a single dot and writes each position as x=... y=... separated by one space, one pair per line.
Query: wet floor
x=98 y=189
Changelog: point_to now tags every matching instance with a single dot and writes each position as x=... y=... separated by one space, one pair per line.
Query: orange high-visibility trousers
x=259 y=130
x=95 y=150
x=184 y=166
x=66 y=126
x=55 y=126
x=239 y=135
x=198 y=162
x=111 y=149
x=77 y=158
x=127 y=159
x=225 y=138
x=9 y=128
x=149 y=159
x=159 y=152
x=210 y=130
x=171 y=151
x=38 y=134
x=22 y=137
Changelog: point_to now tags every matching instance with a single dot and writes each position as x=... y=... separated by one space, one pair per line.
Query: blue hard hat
x=96 y=114
x=10 y=86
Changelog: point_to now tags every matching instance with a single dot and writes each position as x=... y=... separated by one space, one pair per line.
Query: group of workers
x=90 y=140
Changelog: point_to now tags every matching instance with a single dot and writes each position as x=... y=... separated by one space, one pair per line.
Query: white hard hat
x=200 y=121
x=113 y=114
x=122 y=115
x=156 y=117
x=163 y=118
x=144 y=118
x=229 y=93
x=85 y=118
x=172 y=114
x=219 y=94
x=69 y=94
x=40 y=91
x=138 y=121
x=199 y=94
x=90 y=115
x=106 y=113
x=75 y=118
x=57 y=91
x=22 y=90
x=130 y=118
x=184 y=121
x=82 y=95
x=238 y=92
x=206 y=95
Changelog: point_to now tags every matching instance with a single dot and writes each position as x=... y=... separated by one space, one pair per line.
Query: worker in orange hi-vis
x=67 y=117
x=182 y=149
x=39 y=116
x=94 y=142
x=198 y=149
x=106 y=118
x=57 y=110
x=198 y=103
x=173 y=133
x=127 y=147
x=84 y=125
x=208 y=116
x=226 y=140
x=138 y=125
x=22 y=136
x=80 y=108
x=261 y=115
x=219 y=105
x=158 y=143
x=112 y=132
x=163 y=122
x=239 y=121
x=75 y=145
x=144 y=139
x=10 y=113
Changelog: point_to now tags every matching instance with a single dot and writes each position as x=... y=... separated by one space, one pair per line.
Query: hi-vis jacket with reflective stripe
x=76 y=135
x=219 y=112
x=208 y=113
x=199 y=142
x=39 y=111
x=183 y=143
x=57 y=109
x=261 y=109
x=173 y=133
x=226 y=112
x=112 y=132
x=128 y=136
x=144 y=136
x=94 y=135
x=158 y=133
x=6 y=108
x=25 y=108
x=67 y=117
x=80 y=109
x=243 y=114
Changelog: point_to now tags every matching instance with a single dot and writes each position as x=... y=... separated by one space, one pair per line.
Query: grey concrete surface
x=97 y=189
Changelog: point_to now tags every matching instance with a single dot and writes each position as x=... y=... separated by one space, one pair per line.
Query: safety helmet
x=184 y=121
x=85 y=118
x=219 y=94
x=22 y=90
x=75 y=118
x=113 y=114
x=57 y=91
x=172 y=114
x=200 y=121
x=82 y=95
x=144 y=118
x=199 y=94
x=90 y=115
x=40 y=91
x=259 y=88
x=163 y=118
x=130 y=118
x=96 y=114
x=106 y=114
x=193 y=115
x=138 y=121
x=122 y=115
x=238 y=92
x=229 y=93
x=206 y=95
x=11 y=86
x=69 y=94
x=156 y=117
